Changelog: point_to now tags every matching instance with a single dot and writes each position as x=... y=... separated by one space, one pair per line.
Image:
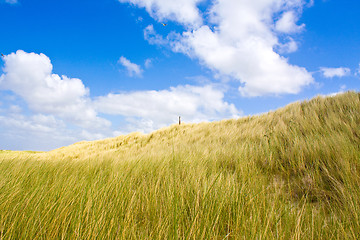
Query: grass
x=289 y=174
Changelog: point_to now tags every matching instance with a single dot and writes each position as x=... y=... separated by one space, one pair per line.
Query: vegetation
x=289 y=174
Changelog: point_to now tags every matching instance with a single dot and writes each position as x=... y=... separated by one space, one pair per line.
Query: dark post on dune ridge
x=179 y=120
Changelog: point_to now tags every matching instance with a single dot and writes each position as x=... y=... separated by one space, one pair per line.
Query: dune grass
x=289 y=174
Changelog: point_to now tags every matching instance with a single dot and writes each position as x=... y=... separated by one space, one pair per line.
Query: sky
x=86 y=70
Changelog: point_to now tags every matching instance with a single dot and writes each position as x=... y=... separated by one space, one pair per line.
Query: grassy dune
x=289 y=174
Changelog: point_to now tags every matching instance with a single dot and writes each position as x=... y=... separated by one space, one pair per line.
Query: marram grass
x=289 y=174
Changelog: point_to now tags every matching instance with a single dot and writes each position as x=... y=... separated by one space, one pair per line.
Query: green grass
x=289 y=174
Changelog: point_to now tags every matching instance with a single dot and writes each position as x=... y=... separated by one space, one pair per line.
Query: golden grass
x=289 y=174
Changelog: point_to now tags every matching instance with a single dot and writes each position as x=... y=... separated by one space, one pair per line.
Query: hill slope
x=291 y=173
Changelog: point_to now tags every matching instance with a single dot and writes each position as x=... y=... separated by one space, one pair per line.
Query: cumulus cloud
x=132 y=68
x=150 y=110
x=287 y=23
x=182 y=11
x=335 y=72
x=252 y=61
x=29 y=75
x=62 y=111
x=239 y=41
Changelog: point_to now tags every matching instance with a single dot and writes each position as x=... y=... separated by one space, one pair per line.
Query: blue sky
x=86 y=70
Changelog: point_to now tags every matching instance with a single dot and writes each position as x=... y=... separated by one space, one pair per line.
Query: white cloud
x=150 y=110
x=288 y=47
x=132 y=68
x=241 y=43
x=335 y=72
x=152 y=37
x=251 y=60
x=183 y=11
x=18 y=132
x=343 y=87
x=15 y=109
x=287 y=23
x=357 y=71
x=62 y=112
x=148 y=63
x=11 y=1
x=30 y=76
x=341 y=90
x=39 y=123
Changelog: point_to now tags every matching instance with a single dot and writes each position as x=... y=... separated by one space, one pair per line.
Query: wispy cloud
x=132 y=68
x=152 y=37
x=357 y=71
x=11 y=1
x=341 y=90
x=148 y=63
x=335 y=72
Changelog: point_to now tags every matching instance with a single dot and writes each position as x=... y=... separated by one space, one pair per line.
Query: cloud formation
x=132 y=68
x=335 y=72
x=40 y=132
x=29 y=75
x=62 y=110
x=287 y=23
x=242 y=40
x=182 y=11
x=156 y=109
